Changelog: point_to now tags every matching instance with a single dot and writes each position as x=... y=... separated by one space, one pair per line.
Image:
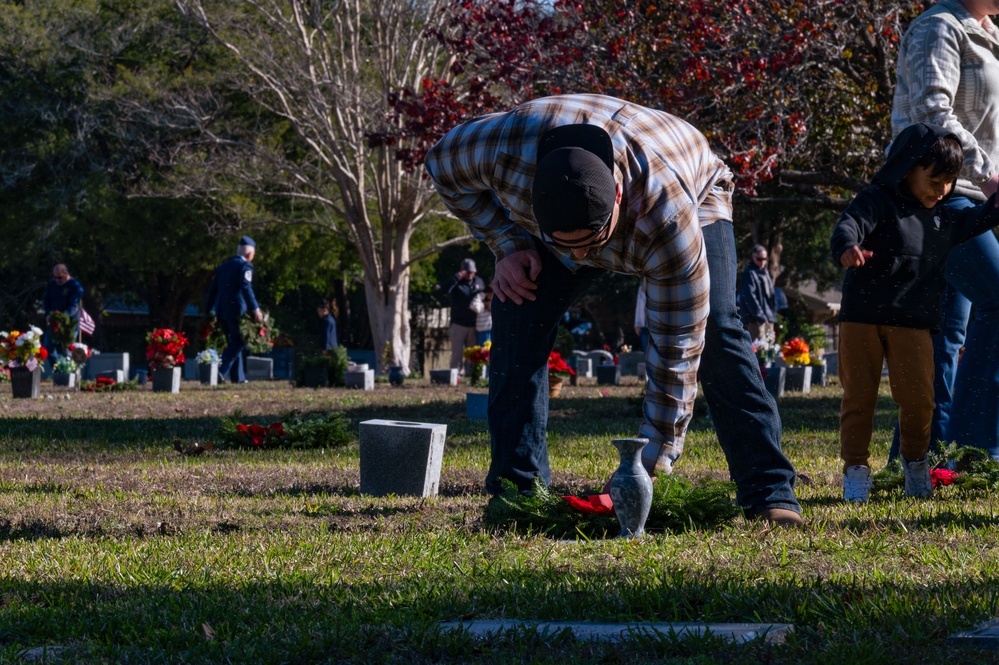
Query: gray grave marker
x=445 y=376
x=985 y=636
x=738 y=633
x=629 y=362
x=363 y=380
x=259 y=369
x=105 y=362
x=402 y=458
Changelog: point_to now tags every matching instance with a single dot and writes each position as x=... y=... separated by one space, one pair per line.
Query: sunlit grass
x=118 y=549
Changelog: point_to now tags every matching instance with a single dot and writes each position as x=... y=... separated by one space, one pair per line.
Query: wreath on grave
x=678 y=504
x=295 y=430
x=103 y=384
x=961 y=467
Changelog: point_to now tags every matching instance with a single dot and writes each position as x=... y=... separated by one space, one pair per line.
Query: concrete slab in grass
x=985 y=636
x=621 y=632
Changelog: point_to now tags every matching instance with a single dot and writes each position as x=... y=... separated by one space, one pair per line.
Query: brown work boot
x=781 y=517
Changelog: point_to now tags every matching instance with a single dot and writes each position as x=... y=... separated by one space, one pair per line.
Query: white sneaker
x=917 y=478
x=857 y=484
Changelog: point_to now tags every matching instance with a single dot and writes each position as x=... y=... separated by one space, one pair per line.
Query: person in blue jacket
x=327 y=339
x=230 y=297
x=63 y=294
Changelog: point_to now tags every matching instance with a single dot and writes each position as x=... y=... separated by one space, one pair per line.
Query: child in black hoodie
x=893 y=239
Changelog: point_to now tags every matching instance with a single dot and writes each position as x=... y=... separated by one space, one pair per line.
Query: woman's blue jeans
x=744 y=414
x=967 y=394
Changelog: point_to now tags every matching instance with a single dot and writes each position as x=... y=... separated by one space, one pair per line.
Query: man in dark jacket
x=327 y=338
x=62 y=294
x=461 y=289
x=756 y=297
x=894 y=239
x=230 y=296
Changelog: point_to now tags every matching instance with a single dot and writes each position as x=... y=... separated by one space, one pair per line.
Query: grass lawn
x=117 y=549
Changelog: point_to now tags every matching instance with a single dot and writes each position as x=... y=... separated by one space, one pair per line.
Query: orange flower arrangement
x=795 y=352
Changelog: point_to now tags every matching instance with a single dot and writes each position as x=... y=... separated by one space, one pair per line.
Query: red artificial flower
x=556 y=365
x=43 y=353
x=595 y=504
x=942 y=477
x=259 y=435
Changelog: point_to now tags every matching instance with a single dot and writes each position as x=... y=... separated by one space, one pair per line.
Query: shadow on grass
x=355 y=619
x=571 y=416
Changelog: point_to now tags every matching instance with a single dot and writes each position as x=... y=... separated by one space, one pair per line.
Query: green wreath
x=62 y=329
x=259 y=337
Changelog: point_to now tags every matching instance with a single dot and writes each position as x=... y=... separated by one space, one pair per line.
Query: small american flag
x=87 y=325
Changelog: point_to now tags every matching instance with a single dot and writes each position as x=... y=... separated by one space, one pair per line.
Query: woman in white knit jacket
x=948 y=75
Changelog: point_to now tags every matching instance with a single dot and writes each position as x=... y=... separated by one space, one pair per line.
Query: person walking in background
x=757 y=308
x=461 y=290
x=63 y=294
x=483 y=308
x=948 y=75
x=230 y=297
x=894 y=239
x=327 y=338
x=563 y=188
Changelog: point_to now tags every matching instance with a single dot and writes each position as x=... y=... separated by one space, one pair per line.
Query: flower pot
x=476 y=406
x=799 y=379
x=315 y=377
x=819 y=375
x=26 y=383
x=775 y=379
x=166 y=380
x=208 y=373
x=65 y=379
x=555 y=386
x=631 y=488
x=396 y=375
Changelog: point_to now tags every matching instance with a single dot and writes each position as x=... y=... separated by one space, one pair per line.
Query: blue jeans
x=744 y=413
x=232 y=357
x=973 y=271
x=522 y=337
x=967 y=395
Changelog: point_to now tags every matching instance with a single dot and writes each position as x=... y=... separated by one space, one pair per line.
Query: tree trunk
x=388 y=314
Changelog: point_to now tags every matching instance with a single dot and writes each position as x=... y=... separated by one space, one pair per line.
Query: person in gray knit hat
x=462 y=289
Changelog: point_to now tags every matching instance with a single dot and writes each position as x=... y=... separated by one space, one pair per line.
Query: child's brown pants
x=863 y=348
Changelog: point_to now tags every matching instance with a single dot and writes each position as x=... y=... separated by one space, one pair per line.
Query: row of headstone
x=100 y=364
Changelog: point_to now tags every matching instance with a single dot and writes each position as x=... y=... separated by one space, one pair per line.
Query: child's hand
x=855 y=257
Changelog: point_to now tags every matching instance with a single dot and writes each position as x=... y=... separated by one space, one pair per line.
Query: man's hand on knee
x=516 y=275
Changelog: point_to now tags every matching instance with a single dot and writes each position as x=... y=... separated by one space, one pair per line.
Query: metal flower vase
x=25 y=383
x=631 y=488
x=208 y=374
x=166 y=380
